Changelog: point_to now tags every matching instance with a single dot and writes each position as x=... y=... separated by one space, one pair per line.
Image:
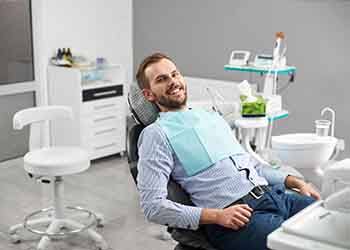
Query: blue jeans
x=268 y=214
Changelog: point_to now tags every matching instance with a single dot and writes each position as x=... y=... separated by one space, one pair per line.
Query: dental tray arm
x=339 y=201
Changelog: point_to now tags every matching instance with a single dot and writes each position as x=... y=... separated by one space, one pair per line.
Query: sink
x=303 y=150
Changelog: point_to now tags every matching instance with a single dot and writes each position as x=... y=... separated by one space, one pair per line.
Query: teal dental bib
x=199 y=138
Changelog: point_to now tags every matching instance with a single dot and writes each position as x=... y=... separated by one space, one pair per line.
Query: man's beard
x=171 y=104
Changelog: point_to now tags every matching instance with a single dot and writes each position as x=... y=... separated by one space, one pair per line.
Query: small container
x=322 y=127
x=101 y=62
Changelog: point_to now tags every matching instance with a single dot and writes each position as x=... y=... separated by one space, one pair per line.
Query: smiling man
x=238 y=200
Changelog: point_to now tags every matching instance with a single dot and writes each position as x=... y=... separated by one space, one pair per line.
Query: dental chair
x=144 y=113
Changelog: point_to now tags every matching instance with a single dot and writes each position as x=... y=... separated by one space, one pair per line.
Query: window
x=16 y=44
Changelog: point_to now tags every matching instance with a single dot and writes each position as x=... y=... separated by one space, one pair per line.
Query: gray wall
x=200 y=34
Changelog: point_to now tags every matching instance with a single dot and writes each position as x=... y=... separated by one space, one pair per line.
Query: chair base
x=183 y=247
x=54 y=229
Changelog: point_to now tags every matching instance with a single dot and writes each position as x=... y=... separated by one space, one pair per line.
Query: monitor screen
x=239 y=56
x=16 y=45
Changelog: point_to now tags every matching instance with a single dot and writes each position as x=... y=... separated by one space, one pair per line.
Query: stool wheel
x=15 y=239
x=100 y=222
x=102 y=246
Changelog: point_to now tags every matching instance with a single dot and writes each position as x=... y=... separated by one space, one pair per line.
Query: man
x=238 y=200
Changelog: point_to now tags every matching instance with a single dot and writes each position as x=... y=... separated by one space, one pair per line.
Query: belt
x=255 y=194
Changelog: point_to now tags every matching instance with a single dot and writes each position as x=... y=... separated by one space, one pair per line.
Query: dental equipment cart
x=271 y=117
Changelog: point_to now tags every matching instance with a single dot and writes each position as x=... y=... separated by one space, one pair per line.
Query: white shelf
x=257 y=122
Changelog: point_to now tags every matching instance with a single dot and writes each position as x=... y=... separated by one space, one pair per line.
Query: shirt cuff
x=275 y=176
x=190 y=218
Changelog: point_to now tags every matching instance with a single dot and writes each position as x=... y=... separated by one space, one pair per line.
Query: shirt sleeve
x=272 y=175
x=155 y=165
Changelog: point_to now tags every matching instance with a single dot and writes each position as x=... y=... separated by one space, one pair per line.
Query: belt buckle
x=257 y=196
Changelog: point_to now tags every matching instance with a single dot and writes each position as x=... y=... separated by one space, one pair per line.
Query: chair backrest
x=39 y=114
x=143 y=111
x=36 y=116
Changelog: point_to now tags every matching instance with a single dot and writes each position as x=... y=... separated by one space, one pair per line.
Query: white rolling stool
x=54 y=163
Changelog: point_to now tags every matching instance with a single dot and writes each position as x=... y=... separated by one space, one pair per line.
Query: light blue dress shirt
x=216 y=187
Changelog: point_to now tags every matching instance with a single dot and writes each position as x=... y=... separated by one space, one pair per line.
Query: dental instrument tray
x=321 y=225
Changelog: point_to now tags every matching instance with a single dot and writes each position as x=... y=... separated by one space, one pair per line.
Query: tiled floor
x=107 y=187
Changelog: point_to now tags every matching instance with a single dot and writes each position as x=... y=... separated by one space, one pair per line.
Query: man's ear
x=147 y=93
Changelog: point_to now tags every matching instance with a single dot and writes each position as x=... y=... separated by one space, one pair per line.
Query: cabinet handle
x=105 y=118
x=99 y=94
x=104 y=106
x=105 y=131
x=104 y=146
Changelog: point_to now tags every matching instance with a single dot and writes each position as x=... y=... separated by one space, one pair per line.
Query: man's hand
x=235 y=216
x=302 y=187
x=309 y=190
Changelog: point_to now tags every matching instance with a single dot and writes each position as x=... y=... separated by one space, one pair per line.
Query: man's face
x=167 y=86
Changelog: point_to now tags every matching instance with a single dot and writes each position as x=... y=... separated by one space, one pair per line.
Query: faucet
x=333 y=118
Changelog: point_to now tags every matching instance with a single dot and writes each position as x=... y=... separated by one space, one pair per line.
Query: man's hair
x=141 y=77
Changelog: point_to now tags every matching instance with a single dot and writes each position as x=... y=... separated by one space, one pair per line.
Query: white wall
x=93 y=28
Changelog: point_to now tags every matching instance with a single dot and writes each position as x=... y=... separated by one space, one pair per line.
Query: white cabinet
x=96 y=97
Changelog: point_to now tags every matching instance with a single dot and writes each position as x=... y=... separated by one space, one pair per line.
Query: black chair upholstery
x=188 y=239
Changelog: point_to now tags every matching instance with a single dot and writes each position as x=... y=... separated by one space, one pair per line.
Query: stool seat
x=56 y=161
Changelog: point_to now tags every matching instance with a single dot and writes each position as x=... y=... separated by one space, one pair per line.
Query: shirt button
x=251 y=178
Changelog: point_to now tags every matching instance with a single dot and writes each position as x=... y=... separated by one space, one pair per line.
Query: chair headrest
x=144 y=111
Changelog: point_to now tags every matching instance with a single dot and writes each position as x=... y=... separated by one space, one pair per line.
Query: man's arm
x=275 y=176
x=301 y=186
x=154 y=168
